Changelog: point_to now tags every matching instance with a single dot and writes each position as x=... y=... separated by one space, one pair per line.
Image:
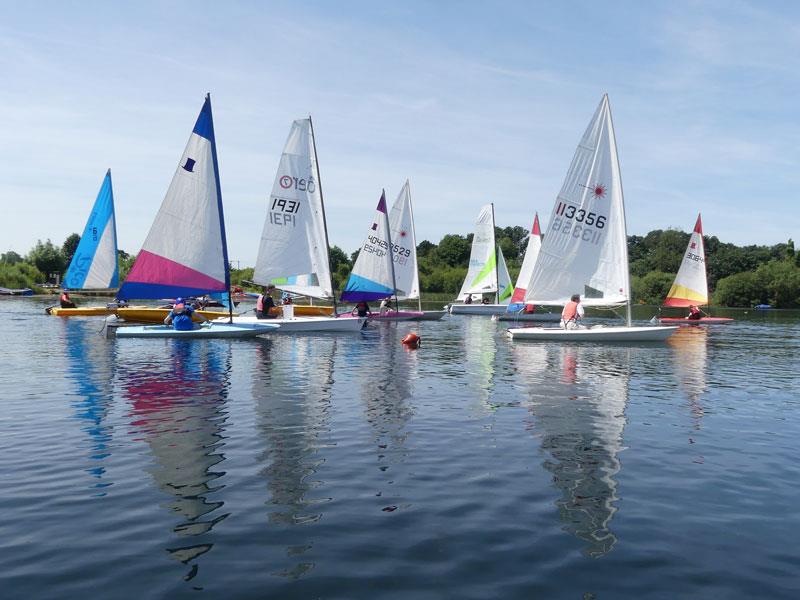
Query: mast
x=624 y=223
x=496 y=258
x=391 y=254
x=324 y=221
x=414 y=235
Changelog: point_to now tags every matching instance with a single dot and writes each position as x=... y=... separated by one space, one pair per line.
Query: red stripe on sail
x=698 y=227
x=151 y=268
x=536 y=230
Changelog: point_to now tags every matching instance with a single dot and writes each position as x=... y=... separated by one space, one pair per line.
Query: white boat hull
x=308 y=324
x=478 y=309
x=594 y=334
x=218 y=330
x=403 y=315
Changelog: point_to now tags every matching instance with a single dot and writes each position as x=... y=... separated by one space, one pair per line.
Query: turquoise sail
x=94 y=264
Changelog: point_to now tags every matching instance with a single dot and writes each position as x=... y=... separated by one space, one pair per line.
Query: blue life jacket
x=183 y=321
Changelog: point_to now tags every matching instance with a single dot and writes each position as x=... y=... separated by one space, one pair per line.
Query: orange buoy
x=412 y=339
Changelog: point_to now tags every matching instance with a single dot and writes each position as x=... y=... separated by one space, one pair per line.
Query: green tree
x=125 y=263
x=69 y=246
x=47 y=258
x=652 y=288
x=338 y=257
x=424 y=248
x=453 y=250
x=10 y=258
x=740 y=289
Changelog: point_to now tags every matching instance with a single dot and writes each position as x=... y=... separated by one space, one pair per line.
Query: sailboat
x=516 y=309
x=94 y=264
x=487 y=273
x=185 y=253
x=586 y=249
x=373 y=277
x=293 y=252
x=691 y=285
x=404 y=253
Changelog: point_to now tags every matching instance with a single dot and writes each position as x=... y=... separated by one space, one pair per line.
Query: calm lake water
x=348 y=467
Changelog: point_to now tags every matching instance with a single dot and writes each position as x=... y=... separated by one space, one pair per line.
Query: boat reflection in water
x=577 y=397
x=690 y=357
x=292 y=389
x=177 y=393
x=478 y=357
x=90 y=367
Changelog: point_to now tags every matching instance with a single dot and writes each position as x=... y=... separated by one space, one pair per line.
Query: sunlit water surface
x=349 y=467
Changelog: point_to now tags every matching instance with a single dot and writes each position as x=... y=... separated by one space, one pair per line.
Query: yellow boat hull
x=305 y=310
x=157 y=315
x=82 y=311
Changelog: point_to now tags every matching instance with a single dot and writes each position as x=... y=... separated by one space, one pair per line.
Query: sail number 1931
x=283 y=211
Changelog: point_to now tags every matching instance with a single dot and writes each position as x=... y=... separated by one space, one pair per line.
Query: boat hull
x=430 y=315
x=81 y=311
x=157 y=315
x=307 y=310
x=308 y=324
x=594 y=334
x=531 y=317
x=16 y=292
x=478 y=309
x=218 y=330
x=401 y=315
x=701 y=321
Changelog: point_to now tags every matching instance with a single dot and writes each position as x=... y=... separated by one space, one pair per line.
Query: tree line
x=737 y=275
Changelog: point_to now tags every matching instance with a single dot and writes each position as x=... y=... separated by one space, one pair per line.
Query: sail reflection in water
x=91 y=369
x=690 y=357
x=177 y=393
x=292 y=387
x=577 y=397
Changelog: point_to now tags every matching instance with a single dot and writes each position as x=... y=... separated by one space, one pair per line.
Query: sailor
x=362 y=309
x=180 y=317
x=572 y=313
x=386 y=306
x=468 y=299
x=265 y=303
x=65 y=300
x=694 y=313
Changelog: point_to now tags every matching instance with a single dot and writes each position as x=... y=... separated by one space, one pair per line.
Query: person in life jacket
x=180 y=317
x=468 y=299
x=264 y=304
x=529 y=309
x=65 y=300
x=572 y=313
x=694 y=314
x=362 y=309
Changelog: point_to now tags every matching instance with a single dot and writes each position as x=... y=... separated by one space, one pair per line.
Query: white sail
x=404 y=245
x=585 y=249
x=482 y=276
x=293 y=253
x=531 y=254
x=372 y=277
x=691 y=286
x=505 y=289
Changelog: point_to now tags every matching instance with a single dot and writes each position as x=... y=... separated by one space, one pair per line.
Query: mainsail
x=531 y=254
x=372 y=277
x=293 y=253
x=185 y=253
x=585 y=251
x=404 y=245
x=95 y=264
x=482 y=273
x=691 y=287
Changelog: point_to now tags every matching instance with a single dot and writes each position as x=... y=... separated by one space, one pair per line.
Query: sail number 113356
x=570 y=211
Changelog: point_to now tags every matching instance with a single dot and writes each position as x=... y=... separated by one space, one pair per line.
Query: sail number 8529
x=570 y=211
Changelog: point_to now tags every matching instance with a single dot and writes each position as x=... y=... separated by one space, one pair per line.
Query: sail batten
x=185 y=251
x=293 y=251
x=95 y=264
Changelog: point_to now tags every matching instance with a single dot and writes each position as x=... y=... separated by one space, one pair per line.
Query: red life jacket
x=570 y=311
x=260 y=303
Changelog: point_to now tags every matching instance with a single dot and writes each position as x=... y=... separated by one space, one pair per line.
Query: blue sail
x=95 y=264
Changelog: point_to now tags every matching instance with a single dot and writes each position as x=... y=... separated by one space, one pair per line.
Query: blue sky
x=476 y=102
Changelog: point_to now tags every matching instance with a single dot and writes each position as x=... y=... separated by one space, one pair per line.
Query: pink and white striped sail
x=185 y=253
